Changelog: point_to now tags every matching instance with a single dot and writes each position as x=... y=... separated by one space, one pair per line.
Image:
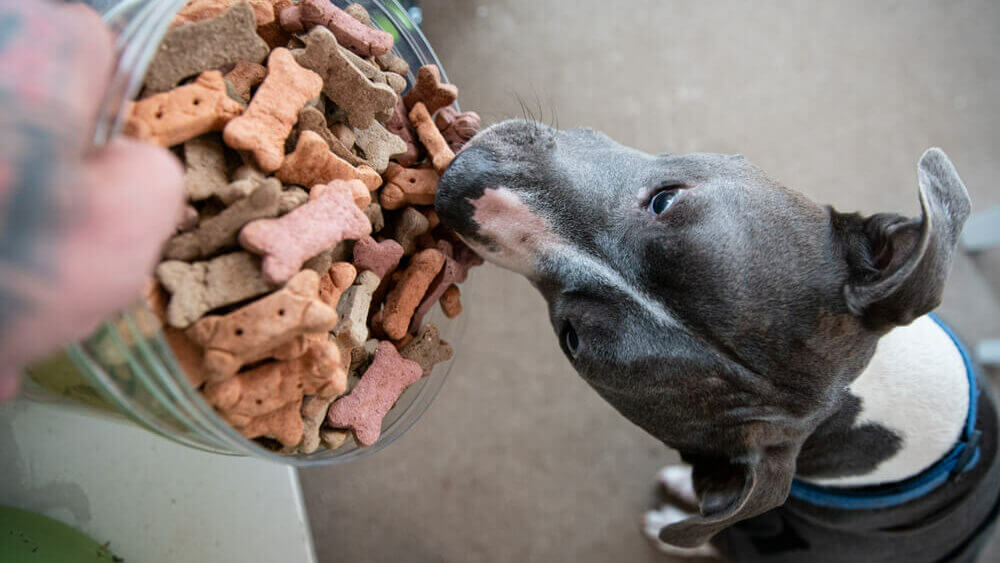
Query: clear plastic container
x=125 y=369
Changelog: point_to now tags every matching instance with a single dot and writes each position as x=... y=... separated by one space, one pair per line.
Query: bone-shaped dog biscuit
x=183 y=113
x=410 y=225
x=451 y=302
x=313 y=163
x=314 y=409
x=379 y=145
x=197 y=288
x=197 y=10
x=283 y=424
x=335 y=281
x=343 y=83
x=404 y=298
x=256 y=330
x=266 y=123
x=352 y=328
x=189 y=49
x=428 y=349
x=452 y=273
x=380 y=387
x=457 y=128
x=220 y=230
x=408 y=186
x=311 y=119
x=430 y=91
x=245 y=76
x=363 y=40
x=375 y=216
x=441 y=154
x=204 y=168
x=378 y=257
x=286 y=242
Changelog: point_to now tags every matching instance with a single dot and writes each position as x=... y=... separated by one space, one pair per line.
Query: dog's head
x=719 y=311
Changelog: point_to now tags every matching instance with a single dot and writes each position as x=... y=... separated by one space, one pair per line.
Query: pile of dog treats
x=294 y=291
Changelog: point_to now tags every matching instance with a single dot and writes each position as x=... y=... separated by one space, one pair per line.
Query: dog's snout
x=464 y=181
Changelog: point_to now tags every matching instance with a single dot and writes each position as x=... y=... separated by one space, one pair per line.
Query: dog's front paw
x=655 y=520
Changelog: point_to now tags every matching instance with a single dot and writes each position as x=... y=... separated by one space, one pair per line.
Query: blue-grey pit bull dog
x=782 y=347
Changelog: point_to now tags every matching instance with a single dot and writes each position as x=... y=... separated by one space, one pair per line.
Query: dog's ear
x=733 y=490
x=900 y=263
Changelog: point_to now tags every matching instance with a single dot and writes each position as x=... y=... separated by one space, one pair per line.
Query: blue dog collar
x=962 y=457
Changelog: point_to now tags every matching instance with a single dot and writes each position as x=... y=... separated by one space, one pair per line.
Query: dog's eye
x=570 y=340
x=662 y=201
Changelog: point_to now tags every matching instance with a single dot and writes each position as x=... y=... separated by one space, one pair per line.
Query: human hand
x=80 y=230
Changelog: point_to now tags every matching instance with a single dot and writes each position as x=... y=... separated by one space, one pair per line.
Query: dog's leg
x=654 y=520
x=676 y=479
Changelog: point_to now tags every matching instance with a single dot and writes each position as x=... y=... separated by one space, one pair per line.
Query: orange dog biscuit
x=430 y=91
x=408 y=186
x=430 y=136
x=403 y=300
x=266 y=123
x=313 y=163
x=183 y=113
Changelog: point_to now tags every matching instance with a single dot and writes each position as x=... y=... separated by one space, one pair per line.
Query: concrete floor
x=518 y=460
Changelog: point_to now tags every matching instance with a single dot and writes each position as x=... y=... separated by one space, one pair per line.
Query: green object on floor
x=27 y=537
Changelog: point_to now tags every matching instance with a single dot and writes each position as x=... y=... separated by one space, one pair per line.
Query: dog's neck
x=915 y=387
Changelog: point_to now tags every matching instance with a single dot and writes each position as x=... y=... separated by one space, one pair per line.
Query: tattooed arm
x=79 y=230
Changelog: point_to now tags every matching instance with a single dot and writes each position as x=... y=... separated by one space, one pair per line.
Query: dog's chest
x=916 y=386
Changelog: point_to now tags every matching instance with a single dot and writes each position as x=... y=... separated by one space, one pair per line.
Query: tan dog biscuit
x=314 y=409
x=399 y=125
x=183 y=113
x=186 y=351
x=410 y=225
x=378 y=257
x=345 y=133
x=358 y=12
x=430 y=91
x=285 y=243
x=428 y=349
x=451 y=302
x=246 y=76
x=404 y=298
x=197 y=10
x=352 y=328
x=379 y=145
x=343 y=83
x=292 y=198
x=283 y=424
x=457 y=128
x=198 y=288
x=255 y=331
x=204 y=168
x=313 y=163
x=332 y=439
x=337 y=279
x=390 y=62
x=264 y=126
x=395 y=81
x=408 y=186
x=189 y=49
x=220 y=230
x=375 y=216
x=361 y=39
x=311 y=119
x=441 y=154
x=364 y=408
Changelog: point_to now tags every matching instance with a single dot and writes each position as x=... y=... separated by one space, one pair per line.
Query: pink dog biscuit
x=399 y=125
x=427 y=349
x=335 y=282
x=220 y=230
x=363 y=40
x=312 y=163
x=403 y=300
x=264 y=126
x=364 y=408
x=457 y=128
x=183 y=113
x=197 y=10
x=343 y=83
x=285 y=243
x=430 y=91
x=380 y=258
x=257 y=330
x=408 y=186
x=437 y=147
x=246 y=76
x=202 y=286
x=189 y=49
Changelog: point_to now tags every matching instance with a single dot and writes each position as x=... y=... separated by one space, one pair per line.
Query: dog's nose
x=464 y=181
